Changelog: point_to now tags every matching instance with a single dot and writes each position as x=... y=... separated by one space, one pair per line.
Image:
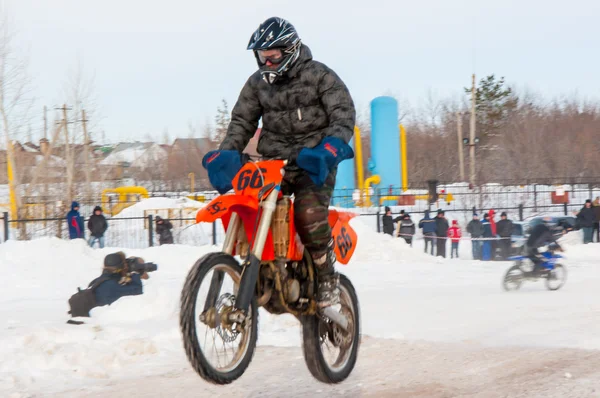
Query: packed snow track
x=431 y=328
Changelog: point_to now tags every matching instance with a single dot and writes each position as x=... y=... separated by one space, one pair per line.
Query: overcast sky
x=162 y=64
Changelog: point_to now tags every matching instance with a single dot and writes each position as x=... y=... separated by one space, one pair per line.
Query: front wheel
x=513 y=278
x=331 y=352
x=218 y=349
x=556 y=277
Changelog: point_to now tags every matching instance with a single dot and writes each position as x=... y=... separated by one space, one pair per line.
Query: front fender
x=223 y=205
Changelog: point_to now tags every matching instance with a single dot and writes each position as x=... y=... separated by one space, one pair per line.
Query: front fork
x=251 y=267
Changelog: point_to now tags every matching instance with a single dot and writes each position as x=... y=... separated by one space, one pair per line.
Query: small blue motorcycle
x=523 y=270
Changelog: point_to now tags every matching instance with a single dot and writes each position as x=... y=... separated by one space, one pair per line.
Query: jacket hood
x=305 y=56
x=74 y=205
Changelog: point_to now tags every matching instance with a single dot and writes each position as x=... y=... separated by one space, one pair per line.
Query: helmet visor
x=274 y=56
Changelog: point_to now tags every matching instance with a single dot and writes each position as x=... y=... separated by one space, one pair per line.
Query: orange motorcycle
x=221 y=295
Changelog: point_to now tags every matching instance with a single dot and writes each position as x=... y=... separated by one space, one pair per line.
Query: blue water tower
x=344 y=182
x=385 y=144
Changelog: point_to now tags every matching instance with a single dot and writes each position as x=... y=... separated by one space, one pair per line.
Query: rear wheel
x=330 y=351
x=218 y=349
x=556 y=277
x=513 y=278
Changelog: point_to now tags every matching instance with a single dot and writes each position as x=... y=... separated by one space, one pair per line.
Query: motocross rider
x=308 y=118
x=541 y=235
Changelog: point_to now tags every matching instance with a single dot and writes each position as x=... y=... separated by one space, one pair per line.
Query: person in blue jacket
x=75 y=222
x=429 y=227
x=116 y=284
x=486 y=251
x=120 y=277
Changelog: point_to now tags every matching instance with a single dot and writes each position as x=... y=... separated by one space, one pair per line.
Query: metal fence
x=123 y=232
x=520 y=201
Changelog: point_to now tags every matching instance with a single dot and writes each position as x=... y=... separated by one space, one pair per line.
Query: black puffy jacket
x=475 y=228
x=407 y=227
x=97 y=225
x=306 y=105
x=587 y=217
x=441 y=226
x=504 y=228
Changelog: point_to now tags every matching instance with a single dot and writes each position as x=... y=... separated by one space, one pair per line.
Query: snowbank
x=137 y=210
x=403 y=293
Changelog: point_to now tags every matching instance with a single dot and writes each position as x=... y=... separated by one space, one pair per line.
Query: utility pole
x=45 y=122
x=472 y=151
x=86 y=144
x=461 y=158
x=68 y=155
x=45 y=146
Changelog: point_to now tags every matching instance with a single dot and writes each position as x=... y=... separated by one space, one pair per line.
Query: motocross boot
x=328 y=280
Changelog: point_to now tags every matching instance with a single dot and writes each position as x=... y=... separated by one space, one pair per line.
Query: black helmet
x=275 y=33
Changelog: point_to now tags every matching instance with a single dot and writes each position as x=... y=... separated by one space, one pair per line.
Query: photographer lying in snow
x=120 y=277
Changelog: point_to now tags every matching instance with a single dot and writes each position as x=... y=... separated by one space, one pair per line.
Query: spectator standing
x=407 y=229
x=428 y=225
x=596 y=207
x=504 y=229
x=441 y=225
x=587 y=217
x=388 y=221
x=493 y=243
x=475 y=228
x=75 y=222
x=97 y=225
x=486 y=250
x=163 y=229
x=454 y=233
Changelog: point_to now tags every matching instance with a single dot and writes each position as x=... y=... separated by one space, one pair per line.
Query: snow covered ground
x=404 y=294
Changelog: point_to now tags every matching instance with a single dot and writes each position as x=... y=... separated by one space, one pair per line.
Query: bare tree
x=221 y=122
x=15 y=99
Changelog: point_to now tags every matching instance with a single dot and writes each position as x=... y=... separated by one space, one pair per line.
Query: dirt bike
x=554 y=273
x=276 y=273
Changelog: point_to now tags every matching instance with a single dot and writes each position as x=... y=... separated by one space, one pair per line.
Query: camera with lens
x=137 y=264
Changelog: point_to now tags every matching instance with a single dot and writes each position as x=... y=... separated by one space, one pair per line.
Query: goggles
x=275 y=56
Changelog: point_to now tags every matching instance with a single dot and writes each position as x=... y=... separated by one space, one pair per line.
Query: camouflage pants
x=311 y=209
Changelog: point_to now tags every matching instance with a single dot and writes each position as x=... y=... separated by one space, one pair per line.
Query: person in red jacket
x=494 y=243
x=454 y=234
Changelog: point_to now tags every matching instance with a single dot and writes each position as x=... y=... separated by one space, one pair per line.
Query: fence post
x=590 y=190
x=566 y=209
x=378 y=209
x=521 y=212
x=535 y=198
x=214 y=233
x=150 y=230
x=5 y=215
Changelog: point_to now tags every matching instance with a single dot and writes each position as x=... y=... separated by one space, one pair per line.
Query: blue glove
x=320 y=160
x=222 y=166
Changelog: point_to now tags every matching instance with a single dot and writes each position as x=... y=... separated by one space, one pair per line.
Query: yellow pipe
x=11 y=182
x=373 y=179
x=404 y=161
x=384 y=198
x=191 y=175
x=360 y=173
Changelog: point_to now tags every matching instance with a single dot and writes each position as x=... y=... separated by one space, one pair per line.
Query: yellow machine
x=127 y=196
